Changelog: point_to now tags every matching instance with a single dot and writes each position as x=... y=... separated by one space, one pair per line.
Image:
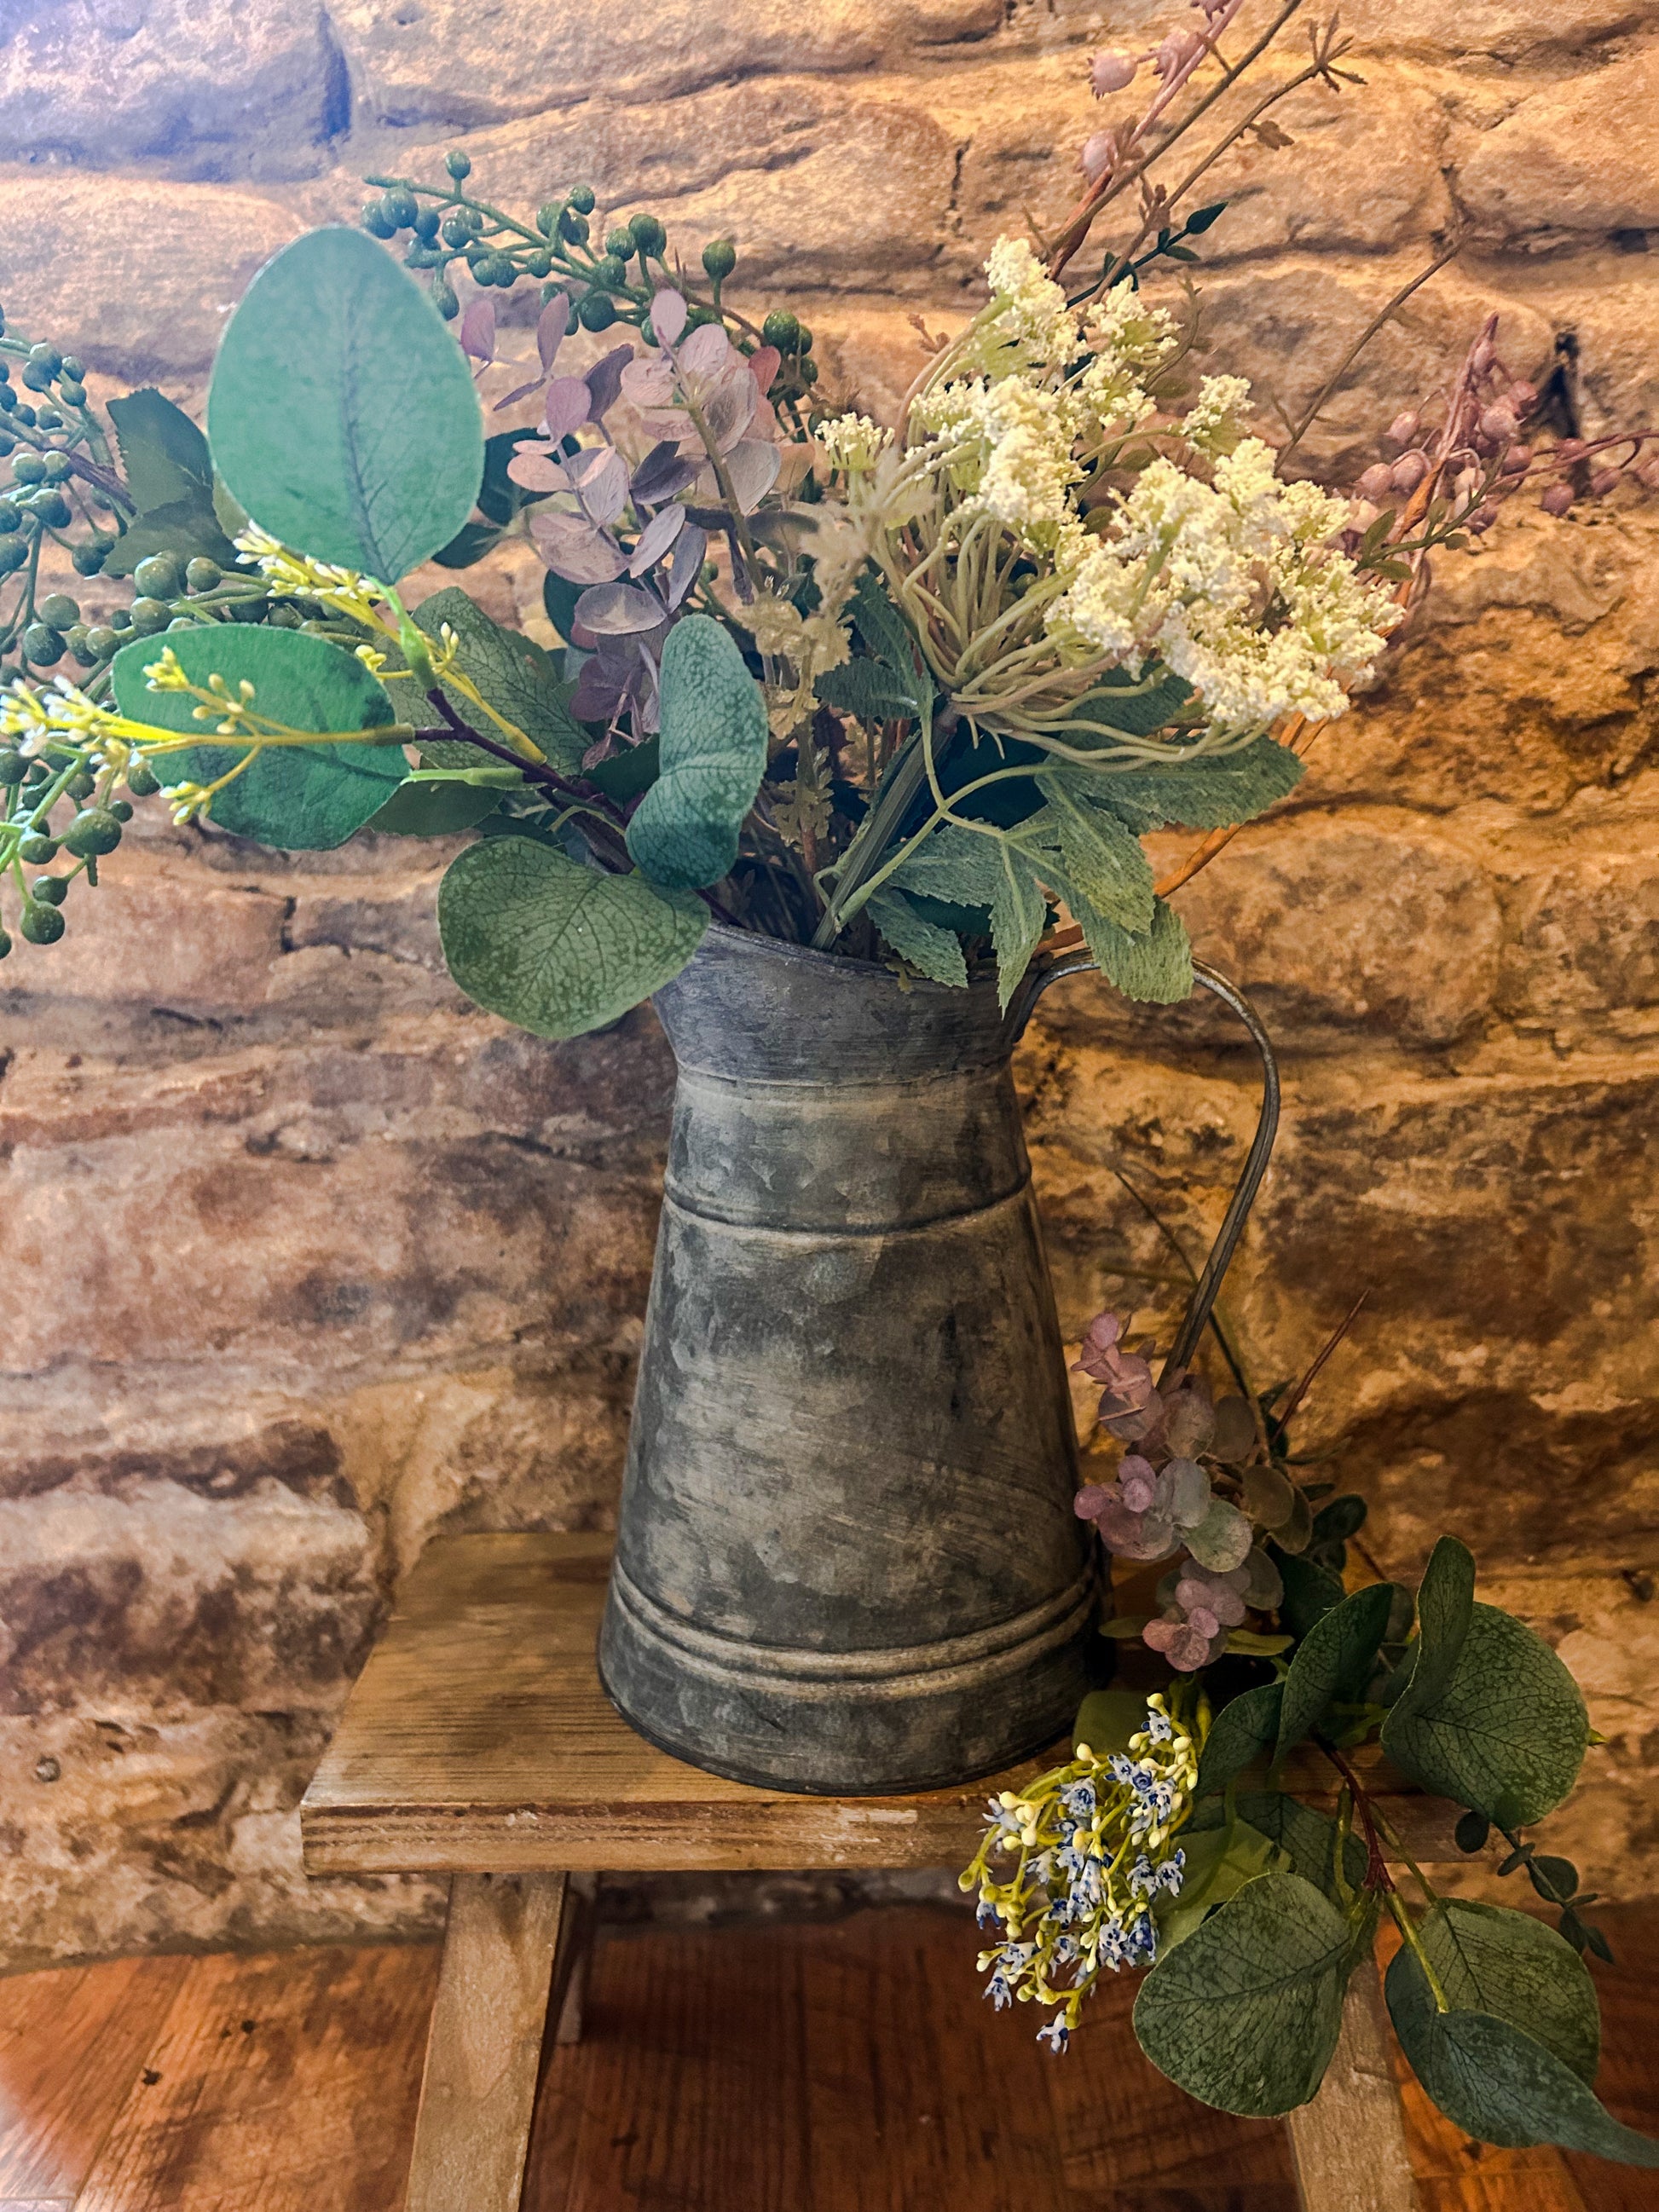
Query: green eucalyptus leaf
x=1245 y=2013
x=468 y=546
x=1488 y=1958
x=1509 y=1732
x=1106 y=1719
x=1219 y=1861
x=439 y=807
x=1494 y=2079
x=1333 y=1661
x=1306 y=1837
x=1445 y=1607
x=1311 y=1590
x=712 y=757
x=297 y=799
x=1207 y=793
x=1245 y=1728
x=932 y=951
x=627 y=772
x=555 y=946
x=342 y=414
x=514 y=673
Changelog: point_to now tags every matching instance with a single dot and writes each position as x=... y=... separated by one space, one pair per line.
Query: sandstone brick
x=1581 y=155
x=136 y=278
x=158 y=1597
x=162 y=1832
x=459 y=65
x=217 y=90
x=1347 y=920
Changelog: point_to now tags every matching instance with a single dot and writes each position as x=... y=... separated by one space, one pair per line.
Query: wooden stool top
x=479 y=1740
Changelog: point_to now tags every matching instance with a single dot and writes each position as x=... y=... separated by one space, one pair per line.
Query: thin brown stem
x=1365 y=338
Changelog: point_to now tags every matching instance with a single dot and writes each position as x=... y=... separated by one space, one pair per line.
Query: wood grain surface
x=842 y=2067
x=479 y=2086
x=1348 y=2146
x=478 y=1739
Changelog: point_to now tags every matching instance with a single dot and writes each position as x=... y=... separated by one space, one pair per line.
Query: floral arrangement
x=1186 y=1833
x=914 y=691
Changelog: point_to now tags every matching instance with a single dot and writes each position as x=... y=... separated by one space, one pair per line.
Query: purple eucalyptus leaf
x=655 y=539
x=596 y=698
x=618 y=609
x=668 y=313
x=763 y=367
x=567 y=405
x=479 y=330
x=554 y=322
x=753 y=465
x=730 y=408
x=600 y=476
x=661 y=475
x=535 y=468
x=574 y=550
x=648 y=381
x=705 y=351
x=604 y=379
x=689 y=548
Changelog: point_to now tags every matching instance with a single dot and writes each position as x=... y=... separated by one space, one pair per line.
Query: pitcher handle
x=1208 y=1285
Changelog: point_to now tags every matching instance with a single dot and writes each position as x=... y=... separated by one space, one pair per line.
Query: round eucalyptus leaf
x=1245 y=2013
x=342 y=414
x=555 y=946
x=295 y=798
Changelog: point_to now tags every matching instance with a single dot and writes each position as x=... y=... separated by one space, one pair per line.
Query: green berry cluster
x=61 y=808
x=59 y=488
x=611 y=275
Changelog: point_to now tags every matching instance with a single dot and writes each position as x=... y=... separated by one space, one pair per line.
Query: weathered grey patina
x=847 y=1558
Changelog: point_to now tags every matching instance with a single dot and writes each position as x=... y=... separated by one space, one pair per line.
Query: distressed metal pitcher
x=847 y=1558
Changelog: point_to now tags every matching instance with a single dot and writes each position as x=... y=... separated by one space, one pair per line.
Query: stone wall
x=306 y=1259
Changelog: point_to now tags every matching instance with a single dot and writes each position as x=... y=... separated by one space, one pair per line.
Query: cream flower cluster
x=852 y=442
x=1232 y=585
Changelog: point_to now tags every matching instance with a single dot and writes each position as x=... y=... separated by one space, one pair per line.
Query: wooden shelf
x=479 y=1740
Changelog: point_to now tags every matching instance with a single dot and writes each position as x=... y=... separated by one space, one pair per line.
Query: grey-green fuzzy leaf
x=1246 y=2014
x=1204 y=793
x=712 y=757
x=555 y=946
x=1508 y=1735
x=932 y=951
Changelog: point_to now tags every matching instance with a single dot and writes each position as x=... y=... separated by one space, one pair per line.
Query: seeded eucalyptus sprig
x=59 y=488
x=611 y=280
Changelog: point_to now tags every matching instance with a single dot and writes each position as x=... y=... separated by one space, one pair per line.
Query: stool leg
x=478 y=2091
x=1348 y=2146
x=576 y=1954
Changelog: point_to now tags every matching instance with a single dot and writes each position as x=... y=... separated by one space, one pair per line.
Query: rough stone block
x=1347 y=920
x=459 y=65
x=1578 y=155
x=136 y=278
x=197 y=89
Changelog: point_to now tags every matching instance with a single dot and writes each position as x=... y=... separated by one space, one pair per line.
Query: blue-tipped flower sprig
x=1092 y=1845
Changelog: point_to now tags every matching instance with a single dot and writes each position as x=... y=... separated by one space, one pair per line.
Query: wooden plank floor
x=840 y=2067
